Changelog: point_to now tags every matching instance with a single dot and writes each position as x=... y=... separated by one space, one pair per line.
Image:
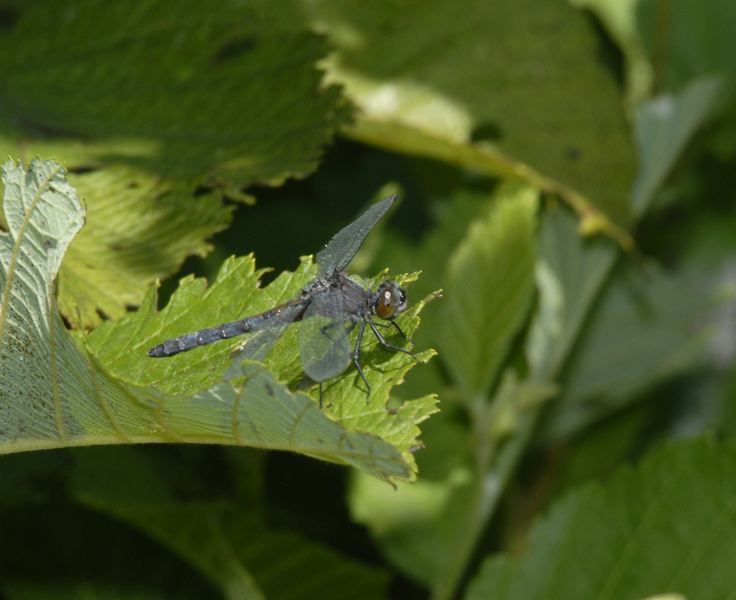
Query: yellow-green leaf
x=490 y=286
x=54 y=396
x=139 y=229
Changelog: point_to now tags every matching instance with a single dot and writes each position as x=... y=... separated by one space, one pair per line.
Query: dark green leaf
x=642 y=332
x=666 y=526
x=663 y=126
x=232 y=547
x=247 y=560
x=181 y=88
x=522 y=76
x=570 y=271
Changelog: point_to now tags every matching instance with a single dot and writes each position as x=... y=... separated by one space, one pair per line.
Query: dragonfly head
x=391 y=300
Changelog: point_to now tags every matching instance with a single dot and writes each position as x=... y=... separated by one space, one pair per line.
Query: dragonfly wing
x=323 y=338
x=347 y=241
x=259 y=344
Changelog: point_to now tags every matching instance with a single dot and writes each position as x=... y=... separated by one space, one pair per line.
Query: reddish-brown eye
x=391 y=300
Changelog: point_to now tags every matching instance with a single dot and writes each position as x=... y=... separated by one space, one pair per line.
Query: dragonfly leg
x=323 y=330
x=387 y=325
x=386 y=344
x=406 y=337
x=356 y=356
x=320 y=397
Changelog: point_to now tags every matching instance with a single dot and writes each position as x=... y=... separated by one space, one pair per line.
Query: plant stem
x=489 y=482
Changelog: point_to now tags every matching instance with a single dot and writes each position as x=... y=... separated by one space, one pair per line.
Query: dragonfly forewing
x=346 y=242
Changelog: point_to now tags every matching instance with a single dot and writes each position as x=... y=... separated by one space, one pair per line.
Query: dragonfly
x=330 y=307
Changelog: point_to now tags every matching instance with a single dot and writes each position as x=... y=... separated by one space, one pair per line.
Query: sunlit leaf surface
x=53 y=397
x=138 y=229
x=490 y=286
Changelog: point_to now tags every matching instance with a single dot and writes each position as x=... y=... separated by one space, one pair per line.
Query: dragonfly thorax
x=391 y=300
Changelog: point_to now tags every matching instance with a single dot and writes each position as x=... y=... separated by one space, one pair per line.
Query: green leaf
x=228 y=88
x=246 y=560
x=531 y=89
x=666 y=526
x=699 y=41
x=139 y=229
x=619 y=19
x=663 y=126
x=80 y=589
x=490 y=287
x=234 y=294
x=122 y=346
x=231 y=546
x=56 y=398
x=570 y=271
x=643 y=331
x=43 y=214
x=416 y=524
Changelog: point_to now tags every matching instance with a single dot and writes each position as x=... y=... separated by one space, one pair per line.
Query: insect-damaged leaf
x=52 y=395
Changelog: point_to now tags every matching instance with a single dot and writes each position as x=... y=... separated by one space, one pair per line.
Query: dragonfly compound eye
x=391 y=301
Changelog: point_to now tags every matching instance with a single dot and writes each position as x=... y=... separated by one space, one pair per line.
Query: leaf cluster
x=564 y=230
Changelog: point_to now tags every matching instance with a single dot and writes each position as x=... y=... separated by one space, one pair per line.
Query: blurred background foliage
x=567 y=175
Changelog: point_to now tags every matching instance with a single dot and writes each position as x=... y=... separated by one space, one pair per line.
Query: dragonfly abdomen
x=189 y=341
